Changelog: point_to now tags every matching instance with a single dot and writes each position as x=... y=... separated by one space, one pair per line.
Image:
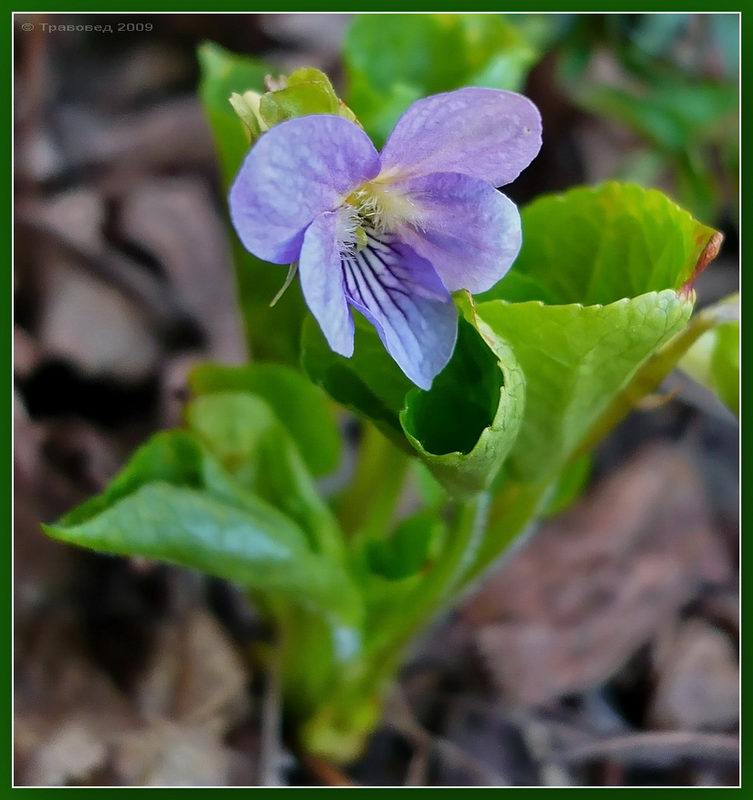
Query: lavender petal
x=400 y=293
x=468 y=230
x=322 y=282
x=485 y=133
x=296 y=171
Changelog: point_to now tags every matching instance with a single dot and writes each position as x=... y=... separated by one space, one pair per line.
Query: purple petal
x=468 y=230
x=486 y=133
x=405 y=300
x=322 y=282
x=297 y=170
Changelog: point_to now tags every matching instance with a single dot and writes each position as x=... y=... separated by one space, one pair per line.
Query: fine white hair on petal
x=346 y=229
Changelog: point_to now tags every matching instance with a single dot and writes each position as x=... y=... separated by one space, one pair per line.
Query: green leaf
x=714 y=360
x=174 y=501
x=244 y=434
x=174 y=457
x=600 y=244
x=462 y=428
x=255 y=546
x=658 y=366
x=302 y=408
x=575 y=359
x=591 y=246
x=272 y=334
x=307 y=91
x=222 y=74
x=427 y=53
x=466 y=424
x=369 y=383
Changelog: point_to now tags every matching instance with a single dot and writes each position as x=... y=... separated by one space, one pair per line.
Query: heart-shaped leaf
x=596 y=245
x=575 y=359
x=628 y=248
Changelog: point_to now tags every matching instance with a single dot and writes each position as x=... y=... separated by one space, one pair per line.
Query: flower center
x=380 y=206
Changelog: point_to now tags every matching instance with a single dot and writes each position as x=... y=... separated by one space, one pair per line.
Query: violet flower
x=392 y=234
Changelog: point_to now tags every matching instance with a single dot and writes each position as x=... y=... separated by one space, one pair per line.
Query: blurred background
x=603 y=651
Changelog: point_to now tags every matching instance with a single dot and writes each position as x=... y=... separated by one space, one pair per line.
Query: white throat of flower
x=378 y=205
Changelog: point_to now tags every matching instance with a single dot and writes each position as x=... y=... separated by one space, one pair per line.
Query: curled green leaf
x=466 y=424
x=602 y=284
x=462 y=428
x=305 y=91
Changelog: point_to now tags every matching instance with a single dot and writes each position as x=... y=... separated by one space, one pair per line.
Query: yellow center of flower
x=379 y=205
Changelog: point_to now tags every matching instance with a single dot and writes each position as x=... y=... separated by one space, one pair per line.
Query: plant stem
x=338 y=730
x=270 y=748
x=512 y=510
x=464 y=539
x=368 y=504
